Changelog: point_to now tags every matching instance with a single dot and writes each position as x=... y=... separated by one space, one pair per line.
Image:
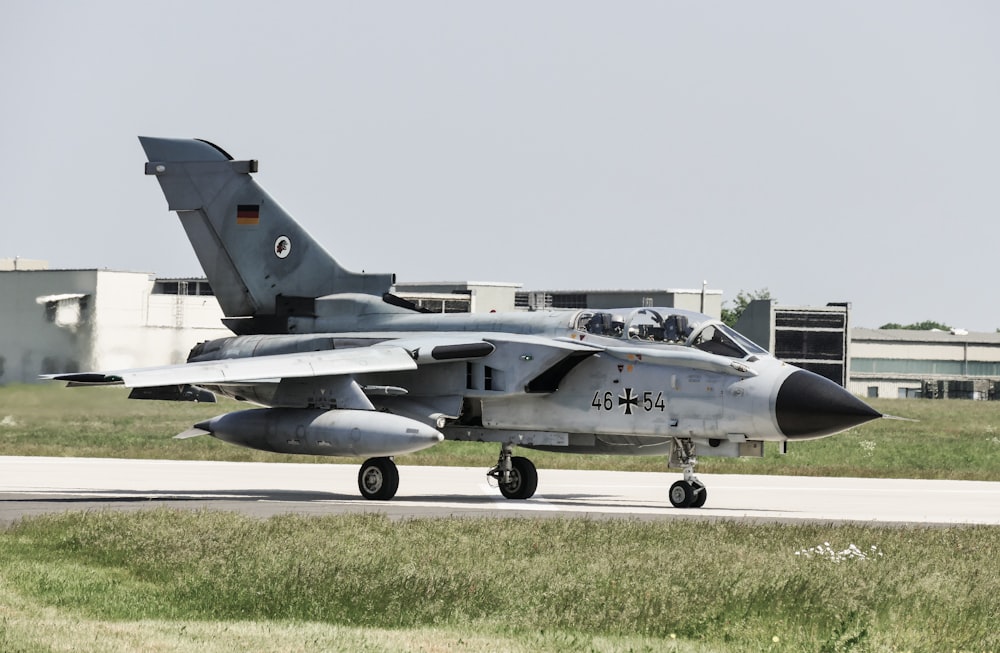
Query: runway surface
x=30 y=486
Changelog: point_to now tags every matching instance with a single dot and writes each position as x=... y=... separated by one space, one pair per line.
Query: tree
x=743 y=299
x=926 y=325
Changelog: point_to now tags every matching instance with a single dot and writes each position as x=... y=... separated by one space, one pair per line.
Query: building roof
x=933 y=337
x=635 y=291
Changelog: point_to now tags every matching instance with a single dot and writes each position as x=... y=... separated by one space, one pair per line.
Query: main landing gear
x=516 y=475
x=378 y=479
x=690 y=492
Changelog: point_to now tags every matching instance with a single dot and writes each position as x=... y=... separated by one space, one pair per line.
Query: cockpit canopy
x=668 y=326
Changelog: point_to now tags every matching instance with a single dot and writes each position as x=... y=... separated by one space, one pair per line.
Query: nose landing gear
x=690 y=492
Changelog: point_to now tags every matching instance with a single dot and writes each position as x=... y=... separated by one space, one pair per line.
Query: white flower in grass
x=852 y=552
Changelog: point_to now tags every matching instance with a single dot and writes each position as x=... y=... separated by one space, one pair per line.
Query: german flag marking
x=248 y=214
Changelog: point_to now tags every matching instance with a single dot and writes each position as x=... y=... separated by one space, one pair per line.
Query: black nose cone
x=811 y=406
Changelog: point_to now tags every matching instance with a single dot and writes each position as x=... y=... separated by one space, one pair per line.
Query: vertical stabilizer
x=259 y=261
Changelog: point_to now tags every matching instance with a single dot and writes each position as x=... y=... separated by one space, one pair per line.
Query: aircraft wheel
x=681 y=494
x=378 y=479
x=700 y=494
x=523 y=479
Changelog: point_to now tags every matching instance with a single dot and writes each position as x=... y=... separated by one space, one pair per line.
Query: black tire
x=700 y=495
x=378 y=479
x=681 y=494
x=523 y=479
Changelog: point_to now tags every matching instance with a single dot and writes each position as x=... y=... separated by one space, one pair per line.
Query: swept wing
x=261 y=368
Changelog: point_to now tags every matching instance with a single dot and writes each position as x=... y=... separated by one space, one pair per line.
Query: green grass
x=952 y=439
x=366 y=582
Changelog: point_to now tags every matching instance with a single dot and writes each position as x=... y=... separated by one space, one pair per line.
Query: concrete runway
x=30 y=486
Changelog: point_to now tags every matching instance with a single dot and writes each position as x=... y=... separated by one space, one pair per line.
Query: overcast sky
x=826 y=151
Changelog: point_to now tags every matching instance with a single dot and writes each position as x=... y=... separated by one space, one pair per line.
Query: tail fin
x=259 y=261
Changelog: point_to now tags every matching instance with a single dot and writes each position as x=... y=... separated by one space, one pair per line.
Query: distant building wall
x=96 y=320
x=45 y=322
x=471 y=296
x=936 y=364
x=815 y=338
x=708 y=302
x=499 y=298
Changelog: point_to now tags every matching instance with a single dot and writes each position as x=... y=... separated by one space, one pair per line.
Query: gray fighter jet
x=342 y=367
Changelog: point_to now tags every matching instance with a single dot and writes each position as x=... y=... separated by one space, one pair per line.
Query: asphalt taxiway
x=35 y=485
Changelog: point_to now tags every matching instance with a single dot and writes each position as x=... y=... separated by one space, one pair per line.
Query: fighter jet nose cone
x=811 y=406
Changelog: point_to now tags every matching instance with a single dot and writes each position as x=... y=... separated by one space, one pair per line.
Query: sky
x=824 y=151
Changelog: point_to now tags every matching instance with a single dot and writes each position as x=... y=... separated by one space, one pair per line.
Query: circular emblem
x=282 y=247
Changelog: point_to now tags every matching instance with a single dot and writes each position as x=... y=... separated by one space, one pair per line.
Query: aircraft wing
x=390 y=356
x=261 y=368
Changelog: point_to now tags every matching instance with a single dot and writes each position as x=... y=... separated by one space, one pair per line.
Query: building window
x=569 y=300
x=873 y=392
x=182 y=287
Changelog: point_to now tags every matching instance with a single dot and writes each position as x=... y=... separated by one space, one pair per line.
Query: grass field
x=216 y=581
x=163 y=580
x=952 y=439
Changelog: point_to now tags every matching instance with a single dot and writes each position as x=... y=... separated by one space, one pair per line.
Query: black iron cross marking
x=628 y=401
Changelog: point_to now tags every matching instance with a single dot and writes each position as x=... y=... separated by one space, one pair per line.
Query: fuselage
x=623 y=381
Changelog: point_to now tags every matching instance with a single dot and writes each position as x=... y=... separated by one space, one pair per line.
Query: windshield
x=670 y=326
x=717 y=338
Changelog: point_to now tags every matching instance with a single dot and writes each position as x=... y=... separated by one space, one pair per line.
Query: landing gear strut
x=378 y=479
x=690 y=492
x=516 y=475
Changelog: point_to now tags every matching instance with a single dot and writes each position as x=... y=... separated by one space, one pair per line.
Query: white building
x=933 y=364
x=80 y=320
